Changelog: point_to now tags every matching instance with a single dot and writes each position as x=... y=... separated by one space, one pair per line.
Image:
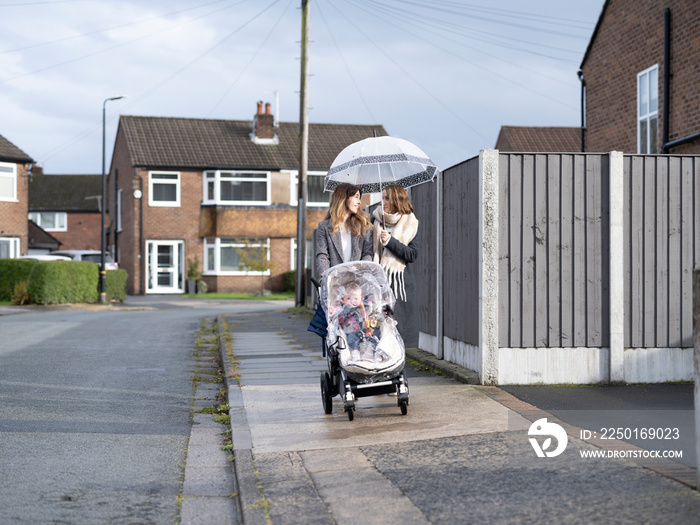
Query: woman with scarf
x=396 y=242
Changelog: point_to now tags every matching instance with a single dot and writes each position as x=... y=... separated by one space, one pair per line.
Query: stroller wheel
x=404 y=407
x=351 y=413
x=326 y=396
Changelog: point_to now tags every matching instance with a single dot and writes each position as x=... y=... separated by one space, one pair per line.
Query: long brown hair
x=358 y=223
x=398 y=199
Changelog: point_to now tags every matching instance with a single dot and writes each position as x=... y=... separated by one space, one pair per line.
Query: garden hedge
x=57 y=282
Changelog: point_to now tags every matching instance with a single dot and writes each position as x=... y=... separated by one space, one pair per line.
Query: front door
x=164 y=267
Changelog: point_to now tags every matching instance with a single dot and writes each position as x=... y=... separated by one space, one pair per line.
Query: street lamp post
x=103 y=203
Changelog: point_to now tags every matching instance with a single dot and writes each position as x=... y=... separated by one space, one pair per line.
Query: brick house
x=539 y=139
x=641 y=73
x=214 y=189
x=14 y=175
x=624 y=82
x=68 y=208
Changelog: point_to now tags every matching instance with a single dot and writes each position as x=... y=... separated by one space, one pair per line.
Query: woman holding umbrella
x=346 y=233
x=396 y=242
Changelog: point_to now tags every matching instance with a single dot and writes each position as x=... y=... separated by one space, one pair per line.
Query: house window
x=229 y=256
x=164 y=188
x=50 y=221
x=9 y=247
x=314 y=186
x=648 y=110
x=236 y=187
x=8 y=182
x=309 y=254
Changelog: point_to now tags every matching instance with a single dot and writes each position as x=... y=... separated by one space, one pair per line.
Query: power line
x=252 y=58
x=405 y=72
x=161 y=83
x=345 y=64
x=98 y=31
x=122 y=44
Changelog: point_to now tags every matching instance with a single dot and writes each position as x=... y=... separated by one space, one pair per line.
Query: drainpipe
x=667 y=80
x=142 y=280
x=583 y=109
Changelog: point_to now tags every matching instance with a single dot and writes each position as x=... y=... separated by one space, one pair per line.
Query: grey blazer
x=329 y=248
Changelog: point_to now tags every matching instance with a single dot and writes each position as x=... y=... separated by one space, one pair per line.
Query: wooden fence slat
x=686 y=247
x=579 y=253
x=528 y=254
x=661 y=252
x=553 y=249
x=636 y=251
x=504 y=254
x=541 y=242
x=593 y=250
x=566 y=253
x=675 y=293
x=649 y=254
x=515 y=176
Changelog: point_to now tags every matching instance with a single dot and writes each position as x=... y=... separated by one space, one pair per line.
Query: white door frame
x=165 y=274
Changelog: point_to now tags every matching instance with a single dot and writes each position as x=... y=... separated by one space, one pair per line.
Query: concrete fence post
x=488 y=260
x=696 y=344
x=617 y=270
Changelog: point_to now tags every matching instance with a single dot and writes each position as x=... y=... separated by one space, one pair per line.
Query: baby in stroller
x=365 y=352
x=361 y=329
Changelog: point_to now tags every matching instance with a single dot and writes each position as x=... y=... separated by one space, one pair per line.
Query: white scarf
x=404 y=230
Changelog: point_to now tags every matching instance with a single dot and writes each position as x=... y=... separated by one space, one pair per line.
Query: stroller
x=363 y=348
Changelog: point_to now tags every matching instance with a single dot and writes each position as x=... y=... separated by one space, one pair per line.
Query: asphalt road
x=95 y=409
x=637 y=412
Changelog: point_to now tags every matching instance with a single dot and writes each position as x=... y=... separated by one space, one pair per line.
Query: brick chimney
x=264 y=126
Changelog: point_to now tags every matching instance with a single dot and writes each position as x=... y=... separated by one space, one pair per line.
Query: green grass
x=245 y=296
x=5 y=303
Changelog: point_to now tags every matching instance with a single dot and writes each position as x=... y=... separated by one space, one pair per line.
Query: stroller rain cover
x=356 y=298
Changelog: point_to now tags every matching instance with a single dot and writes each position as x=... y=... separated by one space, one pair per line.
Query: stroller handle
x=316 y=283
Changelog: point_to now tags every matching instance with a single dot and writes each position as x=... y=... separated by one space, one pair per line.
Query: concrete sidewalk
x=461 y=454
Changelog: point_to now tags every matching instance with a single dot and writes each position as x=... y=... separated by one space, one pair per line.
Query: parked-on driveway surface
x=95 y=408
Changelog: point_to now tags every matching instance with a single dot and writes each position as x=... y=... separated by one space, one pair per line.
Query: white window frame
x=309 y=253
x=216 y=243
x=14 y=246
x=9 y=171
x=61 y=218
x=294 y=190
x=219 y=176
x=176 y=182
x=644 y=77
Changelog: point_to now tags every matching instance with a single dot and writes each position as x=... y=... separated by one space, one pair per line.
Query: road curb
x=249 y=494
x=446 y=368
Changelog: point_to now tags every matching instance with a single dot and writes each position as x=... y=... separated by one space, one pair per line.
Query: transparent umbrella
x=374 y=162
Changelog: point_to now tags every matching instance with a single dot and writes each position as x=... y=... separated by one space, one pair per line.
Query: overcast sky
x=444 y=74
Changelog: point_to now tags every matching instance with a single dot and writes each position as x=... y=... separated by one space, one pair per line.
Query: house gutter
x=666 y=144
x=667 y=80
x=583 y=110
x=142 y=279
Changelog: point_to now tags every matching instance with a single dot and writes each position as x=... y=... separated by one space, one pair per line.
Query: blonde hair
x=398 y=199
x=358 y=223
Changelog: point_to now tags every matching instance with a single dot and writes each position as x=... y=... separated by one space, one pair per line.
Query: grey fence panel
x=690 y=220
x=461 y=252
x=662 y=220
x=553 y=244
x=423 y=200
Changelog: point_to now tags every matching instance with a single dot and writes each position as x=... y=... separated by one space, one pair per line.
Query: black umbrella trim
x=426 y=175
x=376 y=159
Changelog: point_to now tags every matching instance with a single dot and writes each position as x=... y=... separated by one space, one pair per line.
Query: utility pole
x=303 y=159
